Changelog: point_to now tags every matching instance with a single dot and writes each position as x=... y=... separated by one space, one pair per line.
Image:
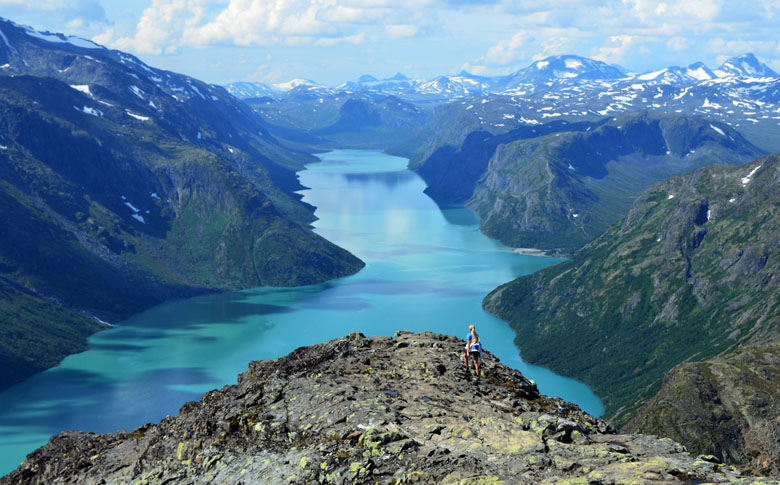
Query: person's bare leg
x=466 y=359
x=476 y=364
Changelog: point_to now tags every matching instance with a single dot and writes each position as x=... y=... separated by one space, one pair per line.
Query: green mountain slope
x=559 y=185
x=122 y=186
x=726 y=407
x=689 y=273
x=45 y=330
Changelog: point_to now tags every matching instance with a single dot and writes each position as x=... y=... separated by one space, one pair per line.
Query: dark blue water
x=427 y=269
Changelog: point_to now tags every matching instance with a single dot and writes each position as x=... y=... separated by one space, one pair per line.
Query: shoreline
x=530 y=252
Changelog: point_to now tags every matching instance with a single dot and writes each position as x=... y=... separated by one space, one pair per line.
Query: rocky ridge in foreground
x=372 y=410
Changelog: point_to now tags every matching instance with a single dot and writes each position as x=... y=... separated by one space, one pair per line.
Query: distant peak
x=290 y=85
x=367 y=78
x=746 y=65
x=398 y=77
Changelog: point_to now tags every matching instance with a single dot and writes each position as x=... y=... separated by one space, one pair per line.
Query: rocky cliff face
x=727 y=407
x=372 y=410
x=558 y=192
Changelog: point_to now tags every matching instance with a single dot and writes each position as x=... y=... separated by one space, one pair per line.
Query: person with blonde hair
x=473 y=348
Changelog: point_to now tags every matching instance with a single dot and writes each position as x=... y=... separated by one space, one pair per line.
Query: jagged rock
x=726 y=407
x=371 y=410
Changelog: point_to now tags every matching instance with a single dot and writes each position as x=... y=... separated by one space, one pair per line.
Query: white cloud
x=473 y=69
x=679 y=43
x=169 y=24
x=398 y=31
x=507 y=51
x=79 y=14
x=615 y=49
x=651 y=11
x=356 y=39
x=498 y=35
x=156 y=30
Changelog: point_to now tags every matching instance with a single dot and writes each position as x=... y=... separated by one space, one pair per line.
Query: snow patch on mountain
x=746 y=180
x=295 y=83
x=137 y=91
x=5 y=40
x=59 y=38
x=717 y=129
x=651 y=75
x=136 y=116
x=84 y=88
x=89 y=111
x=132 y=207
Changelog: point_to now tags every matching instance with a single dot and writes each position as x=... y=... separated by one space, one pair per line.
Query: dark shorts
x=475 y=354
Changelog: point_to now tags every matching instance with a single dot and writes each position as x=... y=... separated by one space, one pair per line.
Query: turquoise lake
x=427 y=268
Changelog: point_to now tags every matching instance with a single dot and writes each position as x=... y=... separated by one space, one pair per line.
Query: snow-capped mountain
x=746 y=65
x=568 y=89
x=397 y=84
x=296 y=83
x=250 y=89
x=676 y=75
x=550 y=75
x=559 y=69
x=462 y=84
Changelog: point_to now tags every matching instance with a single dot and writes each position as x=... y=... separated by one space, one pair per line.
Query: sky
x=333 y=41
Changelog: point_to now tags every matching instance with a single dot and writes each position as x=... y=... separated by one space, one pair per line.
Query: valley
x=296 y=213
x=426 y=270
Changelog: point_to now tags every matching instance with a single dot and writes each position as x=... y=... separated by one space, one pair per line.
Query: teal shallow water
x=427 y=269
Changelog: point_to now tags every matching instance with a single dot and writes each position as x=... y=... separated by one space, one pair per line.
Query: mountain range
x=544 y=75
x=122 y=186
x=742 y=92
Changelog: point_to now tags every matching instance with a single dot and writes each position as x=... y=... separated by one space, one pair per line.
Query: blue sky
x=332 y=41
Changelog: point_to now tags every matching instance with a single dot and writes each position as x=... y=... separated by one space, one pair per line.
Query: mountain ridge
x=558 y=185
x=122 y=186
x=372 y=410
x=689 y=272
x=540 y=74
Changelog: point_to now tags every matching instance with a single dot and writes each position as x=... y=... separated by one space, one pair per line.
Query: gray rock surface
x=728 y=407
x=372 y=410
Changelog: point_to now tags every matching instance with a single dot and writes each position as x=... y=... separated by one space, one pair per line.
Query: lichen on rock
x=371 y=410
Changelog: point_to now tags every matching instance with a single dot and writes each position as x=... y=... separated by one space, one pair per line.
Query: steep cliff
x=372 y=410
x=690 y=273
x=559 y=185
x=727 y=407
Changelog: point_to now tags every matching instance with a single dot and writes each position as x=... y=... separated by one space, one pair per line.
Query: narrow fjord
x=427 y=269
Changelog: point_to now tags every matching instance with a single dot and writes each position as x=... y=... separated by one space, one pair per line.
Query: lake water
x=427 y=269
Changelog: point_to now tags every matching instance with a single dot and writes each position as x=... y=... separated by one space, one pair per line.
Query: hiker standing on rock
x=473 y=348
